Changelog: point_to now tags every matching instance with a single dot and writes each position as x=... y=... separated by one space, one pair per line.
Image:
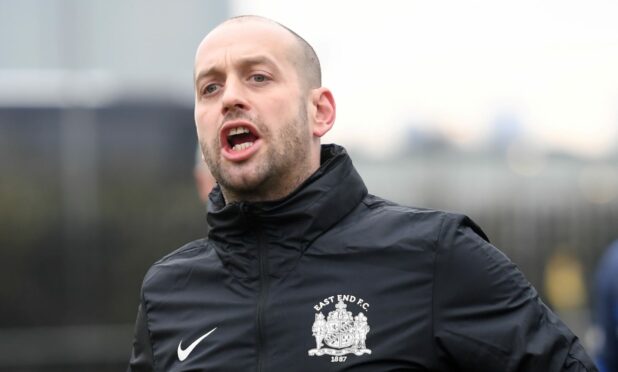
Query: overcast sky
x=455 y=67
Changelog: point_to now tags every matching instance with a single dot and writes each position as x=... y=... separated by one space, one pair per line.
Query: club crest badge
x=340 y=332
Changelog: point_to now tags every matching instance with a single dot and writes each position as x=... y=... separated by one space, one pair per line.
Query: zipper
x=262 y=297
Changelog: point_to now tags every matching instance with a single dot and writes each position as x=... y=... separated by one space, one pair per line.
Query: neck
x=275 y=188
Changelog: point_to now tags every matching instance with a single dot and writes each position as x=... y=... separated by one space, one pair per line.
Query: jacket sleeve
x=142 y=359
x=487 y=316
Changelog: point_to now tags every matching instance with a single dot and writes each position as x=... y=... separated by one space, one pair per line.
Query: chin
x=243 y=184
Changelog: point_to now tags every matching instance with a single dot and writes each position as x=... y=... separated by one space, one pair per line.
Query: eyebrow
x=243 y=63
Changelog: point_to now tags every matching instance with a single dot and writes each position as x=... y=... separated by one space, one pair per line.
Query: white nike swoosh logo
x=183 y=354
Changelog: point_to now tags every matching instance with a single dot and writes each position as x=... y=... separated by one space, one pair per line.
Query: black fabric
x=332 y=278
x=141 y=357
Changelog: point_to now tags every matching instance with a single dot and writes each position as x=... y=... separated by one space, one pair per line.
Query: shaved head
x=305 y=58
x=260 y=108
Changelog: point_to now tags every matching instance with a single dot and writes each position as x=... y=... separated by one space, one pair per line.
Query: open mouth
x=240 y=138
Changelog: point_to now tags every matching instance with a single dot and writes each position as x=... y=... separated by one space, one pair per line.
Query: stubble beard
x=276 y=173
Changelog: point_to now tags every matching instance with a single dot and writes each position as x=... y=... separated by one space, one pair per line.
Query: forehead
x=244 y=39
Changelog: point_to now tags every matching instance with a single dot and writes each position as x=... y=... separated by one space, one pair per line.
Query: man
x=606 y=308
x=295 y=238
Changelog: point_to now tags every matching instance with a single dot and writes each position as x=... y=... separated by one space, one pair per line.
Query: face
x=251 y=111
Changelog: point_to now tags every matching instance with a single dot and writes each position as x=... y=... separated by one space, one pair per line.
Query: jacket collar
x=285 y=228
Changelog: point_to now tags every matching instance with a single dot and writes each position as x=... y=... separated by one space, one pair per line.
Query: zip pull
x=245 y=213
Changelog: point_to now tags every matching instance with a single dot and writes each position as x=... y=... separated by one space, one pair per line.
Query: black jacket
x=331 y=278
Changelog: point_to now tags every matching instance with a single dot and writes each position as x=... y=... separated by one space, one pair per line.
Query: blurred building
x=97 y=143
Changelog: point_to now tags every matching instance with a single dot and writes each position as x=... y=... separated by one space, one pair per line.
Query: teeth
x=238 y=130
x=242 y=146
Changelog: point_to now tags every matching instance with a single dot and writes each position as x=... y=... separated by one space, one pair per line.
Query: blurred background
x=505 y=112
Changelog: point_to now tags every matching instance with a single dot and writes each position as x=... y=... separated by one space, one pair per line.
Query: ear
x=324 y=111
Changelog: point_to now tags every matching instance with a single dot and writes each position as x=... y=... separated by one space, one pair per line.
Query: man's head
x=260 y=109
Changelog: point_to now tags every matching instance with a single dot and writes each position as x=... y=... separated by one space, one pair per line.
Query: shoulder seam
x=189 y=247
x=196 y=244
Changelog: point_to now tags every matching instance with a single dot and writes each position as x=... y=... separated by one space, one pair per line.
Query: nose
x=233 y=96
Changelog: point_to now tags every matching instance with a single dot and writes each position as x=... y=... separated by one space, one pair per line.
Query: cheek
x=205 y=124
x=283 y=111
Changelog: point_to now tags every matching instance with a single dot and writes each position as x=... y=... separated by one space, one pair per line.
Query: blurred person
x=606 y=309
x=204 y=181
x=303 y=269
x=565 y=290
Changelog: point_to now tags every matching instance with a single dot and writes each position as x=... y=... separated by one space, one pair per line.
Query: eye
x=259 y=78
x=210 y=89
